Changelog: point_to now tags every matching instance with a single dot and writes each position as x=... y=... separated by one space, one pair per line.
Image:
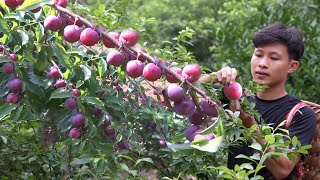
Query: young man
x=277 y=51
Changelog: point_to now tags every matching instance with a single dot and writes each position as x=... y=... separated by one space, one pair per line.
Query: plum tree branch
x=131 y=50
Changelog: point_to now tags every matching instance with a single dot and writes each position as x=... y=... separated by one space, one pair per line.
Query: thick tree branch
x=131 y=50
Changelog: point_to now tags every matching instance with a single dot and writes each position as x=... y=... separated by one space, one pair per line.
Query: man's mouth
x=261 y=73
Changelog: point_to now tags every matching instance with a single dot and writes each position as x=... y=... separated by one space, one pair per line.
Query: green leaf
x=29 y=56
x=126 y=157
x=105 y=148
x=178 y=137
x=77 y=162
x=200 y=141
x=35 y=90
x=24 y=36
x=79 y=83
x=227 y=176
x=94 y=101
x=4 y=139
x=255 y=156
x=260 y=166
x=40 y=81
x=295 y=141
x=32 y=159
x=62 y=55
x=32 y=4
x=102 y=67
x=270 y=139
x=144 y=160
x=16 y=116
x=7 y=109
x=242 y=156
x=247 y=166
x=92 y=131
x=101 y=165
x=101 y=120
x=265 y=156
x=178 y=146
x=284 y=130
x=236 y=115
x=124 y=167
x=212 y=146
x=60 y=94
x=4 y=59
x=86 y=71
x=282 y=124
x=4 y=28
x=228 y=173
x=101 y=8
x=256 y=146
x=39 y=32
x=64 y=125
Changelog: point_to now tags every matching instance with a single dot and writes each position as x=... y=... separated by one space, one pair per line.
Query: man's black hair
x=279 y=33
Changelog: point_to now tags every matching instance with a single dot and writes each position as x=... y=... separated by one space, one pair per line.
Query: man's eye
x=258 y=55
x=274 y=58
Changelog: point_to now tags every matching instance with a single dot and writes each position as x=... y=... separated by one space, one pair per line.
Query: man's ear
x=293 y=66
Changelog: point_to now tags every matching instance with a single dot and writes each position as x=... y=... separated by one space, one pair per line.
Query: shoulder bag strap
x=292 y=112
x=299 y=166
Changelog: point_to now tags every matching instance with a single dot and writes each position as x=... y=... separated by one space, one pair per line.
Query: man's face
x=270 y=64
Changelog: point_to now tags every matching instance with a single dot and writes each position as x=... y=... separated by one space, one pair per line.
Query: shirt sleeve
x=303 y=125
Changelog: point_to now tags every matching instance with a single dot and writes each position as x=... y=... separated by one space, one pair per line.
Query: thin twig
x=143 y=96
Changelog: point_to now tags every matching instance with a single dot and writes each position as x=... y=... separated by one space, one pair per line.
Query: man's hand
x=247 y=120
x=227 y=75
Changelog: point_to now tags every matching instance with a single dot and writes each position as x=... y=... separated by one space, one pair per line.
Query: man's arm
x=281 y=167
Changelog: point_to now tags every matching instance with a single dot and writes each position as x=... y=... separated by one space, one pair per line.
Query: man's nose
x=263 y=63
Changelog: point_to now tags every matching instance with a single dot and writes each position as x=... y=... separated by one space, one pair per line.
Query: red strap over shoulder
x=292 y=112
x=289 y=117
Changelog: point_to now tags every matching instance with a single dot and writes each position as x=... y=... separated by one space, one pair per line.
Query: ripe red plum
x=174 y=92
x=191 y=72
x=206 y=136
x=12 y=98
x=52 y=23
x=74 y=133
x=196 y=117
x=134 y=68
x=190 y=132
x=13 y=57
x=151 y=72
x=70 y=103
x=209 y=109
x=11 y=3
x=54 y=72
x=7 y=68
x=62 y=3
x=129 y=37
x=77 y=120
x=115 y=58
x=72 y=33
x=15 y=85
x=172 y=79
x=107 y=42
x=89 y=37
x=184 y=107
x=233 y=91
